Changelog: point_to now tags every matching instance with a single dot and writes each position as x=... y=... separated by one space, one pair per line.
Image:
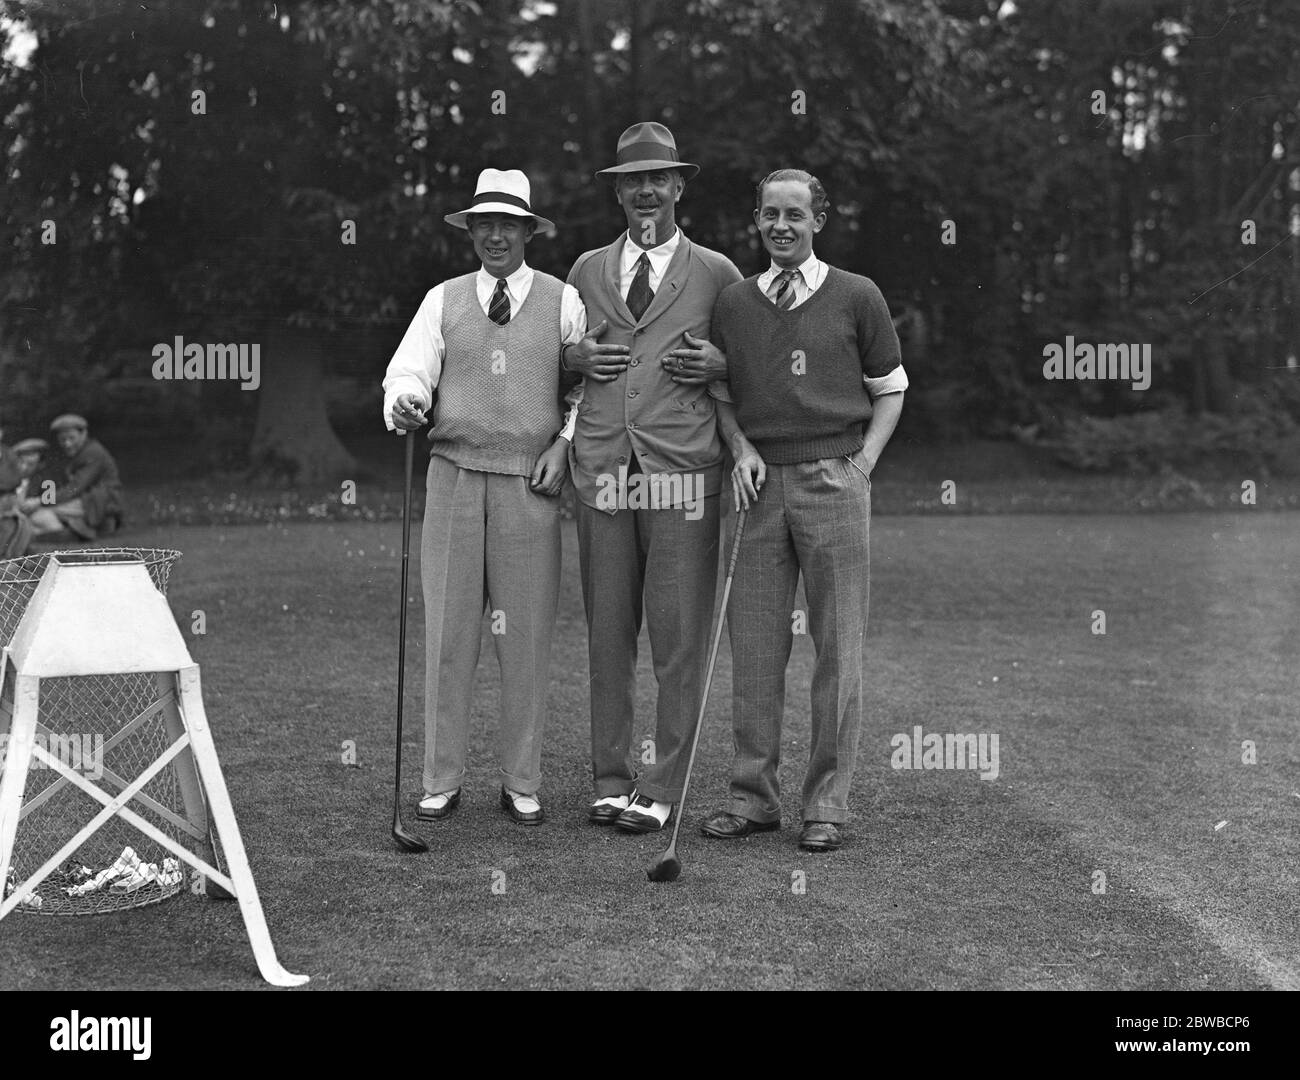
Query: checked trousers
x=812 y=517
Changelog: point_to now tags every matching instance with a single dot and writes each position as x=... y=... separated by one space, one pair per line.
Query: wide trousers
x=812 y=517
x=660 y=564
x=489 y=543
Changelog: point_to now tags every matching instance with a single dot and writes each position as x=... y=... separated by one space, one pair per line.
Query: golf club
x=406 y=840
x=668 y=867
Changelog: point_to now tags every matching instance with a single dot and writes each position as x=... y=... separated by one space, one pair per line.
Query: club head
x=408 y=841
x=665 y=868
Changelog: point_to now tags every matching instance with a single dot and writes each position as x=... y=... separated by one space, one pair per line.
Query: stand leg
x=18 y=756
x=227 y=830
x=196 y=809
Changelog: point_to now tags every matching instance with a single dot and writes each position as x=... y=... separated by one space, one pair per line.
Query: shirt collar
x=659 y=256
x=519 y=280
x=808 y=269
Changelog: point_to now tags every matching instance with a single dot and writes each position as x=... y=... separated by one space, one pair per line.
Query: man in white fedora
x=647 y=423
x=489 y=343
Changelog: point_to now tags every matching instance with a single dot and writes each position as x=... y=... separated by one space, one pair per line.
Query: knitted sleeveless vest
x=498 y=396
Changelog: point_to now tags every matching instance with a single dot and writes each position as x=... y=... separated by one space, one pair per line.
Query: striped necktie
x=499 y=309
x=640 y=294
x=784 y=295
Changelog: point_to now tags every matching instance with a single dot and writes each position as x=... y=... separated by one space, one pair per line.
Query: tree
x=926 y=119
x=202 y=164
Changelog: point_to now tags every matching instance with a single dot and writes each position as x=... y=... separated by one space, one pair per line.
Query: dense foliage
x=1009 y=173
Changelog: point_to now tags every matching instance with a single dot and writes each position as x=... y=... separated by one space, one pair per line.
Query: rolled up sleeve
x=416 y=366
x=893 y=383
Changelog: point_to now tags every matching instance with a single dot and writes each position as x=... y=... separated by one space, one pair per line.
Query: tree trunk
x=1219 y=384
x=293 y=442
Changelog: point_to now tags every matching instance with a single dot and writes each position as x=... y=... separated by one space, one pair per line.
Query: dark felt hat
x=646 y=147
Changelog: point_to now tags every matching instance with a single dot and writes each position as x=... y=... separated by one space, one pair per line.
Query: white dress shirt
x=416 y=366
x=808 y=278
x=659 y=258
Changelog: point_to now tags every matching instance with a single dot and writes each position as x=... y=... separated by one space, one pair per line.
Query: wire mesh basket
x=108 y=728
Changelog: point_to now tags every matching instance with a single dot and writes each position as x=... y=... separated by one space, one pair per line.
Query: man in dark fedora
x=647 y=465
x=489 y=342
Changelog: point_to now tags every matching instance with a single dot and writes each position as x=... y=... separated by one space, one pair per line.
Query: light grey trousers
x=489 y=543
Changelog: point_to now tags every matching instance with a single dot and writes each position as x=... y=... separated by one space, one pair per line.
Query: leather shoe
x=606 y=811
x=437 y=807
x=820 y=836
x=644 y=815
x=725 y=826
x=524 y=809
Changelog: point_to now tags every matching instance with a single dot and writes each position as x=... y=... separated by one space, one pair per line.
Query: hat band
x=500 y=196
x=646 y=151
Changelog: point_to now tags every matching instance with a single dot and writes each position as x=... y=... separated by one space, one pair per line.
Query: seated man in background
x=88 y=499
x=31 y=461
x=15 y=529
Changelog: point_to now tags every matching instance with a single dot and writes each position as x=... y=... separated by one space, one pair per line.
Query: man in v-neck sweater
x=816 y=381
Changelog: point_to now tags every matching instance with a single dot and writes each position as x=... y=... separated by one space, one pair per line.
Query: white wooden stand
x=107 y=618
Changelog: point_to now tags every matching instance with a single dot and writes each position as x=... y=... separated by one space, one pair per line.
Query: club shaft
x=409 y=439
x=708 y=677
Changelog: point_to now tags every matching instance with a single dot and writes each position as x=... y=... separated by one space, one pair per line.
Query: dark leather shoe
x=820 y=836
x=725 y=826
x=421 y=814
x=509 y=803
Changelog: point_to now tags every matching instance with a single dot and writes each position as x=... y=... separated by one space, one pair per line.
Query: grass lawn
x=1119 y=753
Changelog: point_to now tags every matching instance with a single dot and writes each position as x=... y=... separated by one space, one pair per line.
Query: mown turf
x=1119 y=753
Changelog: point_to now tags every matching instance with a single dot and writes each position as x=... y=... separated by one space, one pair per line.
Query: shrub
x=1261 y=434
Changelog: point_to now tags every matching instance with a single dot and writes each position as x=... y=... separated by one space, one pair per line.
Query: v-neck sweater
x=796 y=375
